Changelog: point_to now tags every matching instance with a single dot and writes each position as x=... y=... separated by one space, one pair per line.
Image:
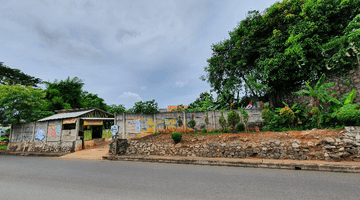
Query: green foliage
x=7 y=132
x=240 y=127
x=176 y=136
x=89 y=100
x=319 y=92
x=349 y=115
x=180 y=122
x=192 y=123
x=245 y=115
x=204 y=130
x=147 y=107
x=315 y=112
x=227 y=130
x=64 y=94
x=206 y=118
x=156 y=133
x=266 y=114
x=233 y=118
x=287 y=114
x=116 y=108
x=222 y=121
x=3 y=147
x=20 y=103
x=300 y=112
x=11 y=76
x=215 y=131
x=275 y=52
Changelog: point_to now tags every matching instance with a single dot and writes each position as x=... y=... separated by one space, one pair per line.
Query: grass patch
x=3 y=147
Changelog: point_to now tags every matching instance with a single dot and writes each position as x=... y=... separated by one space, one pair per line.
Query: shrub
x=227 y=130
x=266 y=114
x=192 y=123
x=222 y=121
x=315 y=112
x=156 y=133
x=240 y=127
x=349 y=115
x=176 y=136
x=233 y=118
x=180 y=122
x=287 y=114
x=215 y=131
x=206 y=118
x=204 y=130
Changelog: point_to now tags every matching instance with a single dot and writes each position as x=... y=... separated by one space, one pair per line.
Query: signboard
x=92 y=122
x=69 y=121
x=114 y=129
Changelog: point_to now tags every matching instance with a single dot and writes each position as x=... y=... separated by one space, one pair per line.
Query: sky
x=124 y=51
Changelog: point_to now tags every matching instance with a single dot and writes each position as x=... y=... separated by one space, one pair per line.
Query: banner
x=69 y=121
x=92 y=122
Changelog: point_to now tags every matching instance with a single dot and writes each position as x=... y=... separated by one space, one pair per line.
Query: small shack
x=66 y=131
x=91 y=125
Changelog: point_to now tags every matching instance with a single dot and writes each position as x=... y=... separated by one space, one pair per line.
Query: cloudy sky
x=124 y=51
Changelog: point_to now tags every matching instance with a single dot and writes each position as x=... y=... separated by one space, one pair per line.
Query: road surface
x=52 y=178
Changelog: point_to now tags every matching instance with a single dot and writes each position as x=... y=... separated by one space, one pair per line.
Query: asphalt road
x=51 y=178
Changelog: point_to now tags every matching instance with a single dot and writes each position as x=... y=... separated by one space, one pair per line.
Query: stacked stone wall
x=346 y=147
x=343 y=85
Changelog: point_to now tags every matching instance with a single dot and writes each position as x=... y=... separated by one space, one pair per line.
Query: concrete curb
x=288 y=166
x=32 y=154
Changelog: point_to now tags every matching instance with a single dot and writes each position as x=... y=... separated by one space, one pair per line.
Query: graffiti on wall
x=133 y=126
x=54 y=130
x=40 y=135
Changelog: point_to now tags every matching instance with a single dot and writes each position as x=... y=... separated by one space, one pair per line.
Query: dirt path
x=95 y=153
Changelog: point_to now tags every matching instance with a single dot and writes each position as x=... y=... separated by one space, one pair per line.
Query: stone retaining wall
x=344 y=147
x=49 y=147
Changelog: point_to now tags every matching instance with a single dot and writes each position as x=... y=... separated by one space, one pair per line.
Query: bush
x=222 y=121
x=240 y=127
x=233 y=118
x=227 y=130
x=315 y=112
x=204 y=130
x=266 y=114
x=156 y=133
x=180 y=122
x=287 y=114
x=192 y=123
x=215 y=131
x=348 y=115
x=176 y=136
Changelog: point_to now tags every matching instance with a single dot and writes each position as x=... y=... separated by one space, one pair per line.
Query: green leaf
x=351 y=97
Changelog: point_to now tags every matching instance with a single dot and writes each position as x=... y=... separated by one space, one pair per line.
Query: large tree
x=64 y=94
x=21 y=104
x=146 y=107
x=274 y=52
x=15 y=76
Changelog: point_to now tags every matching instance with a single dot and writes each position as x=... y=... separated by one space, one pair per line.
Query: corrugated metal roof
x=97 y=118
x=65 y=115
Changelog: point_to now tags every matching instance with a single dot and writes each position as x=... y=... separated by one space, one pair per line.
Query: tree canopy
x=15 y=76
x=21 y=104
x=293 y=41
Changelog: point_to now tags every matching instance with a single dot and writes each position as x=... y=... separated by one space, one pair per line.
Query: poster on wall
x=54 y=130
x=69 y=121
x=40 y=135
x=134 y=126
x=114 y=129
x=93 y=122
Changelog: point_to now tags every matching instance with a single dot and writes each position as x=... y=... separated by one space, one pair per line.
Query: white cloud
x=181 y=84
x=130 y=96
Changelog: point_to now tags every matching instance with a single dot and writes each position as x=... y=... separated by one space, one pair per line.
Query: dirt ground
x=315 y=136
